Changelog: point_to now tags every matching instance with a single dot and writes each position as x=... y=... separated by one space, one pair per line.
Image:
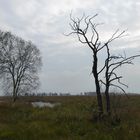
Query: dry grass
x=70 y=121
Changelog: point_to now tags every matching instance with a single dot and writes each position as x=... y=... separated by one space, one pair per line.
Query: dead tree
x=19 y=64
x=112 y=63
x=88 y=34
x=93 y=43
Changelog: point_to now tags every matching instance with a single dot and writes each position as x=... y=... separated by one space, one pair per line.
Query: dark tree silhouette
x=112 y=63
x=94 y=44
x=19 y=64
x=88 y=34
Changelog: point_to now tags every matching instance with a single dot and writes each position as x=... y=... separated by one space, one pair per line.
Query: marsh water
x=41 y=104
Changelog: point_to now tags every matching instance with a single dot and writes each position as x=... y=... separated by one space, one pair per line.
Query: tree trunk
x=107 y=76
x=98 y=92
x=99 y=99
x=108 y=106
x=14 y=99
x=14 y=94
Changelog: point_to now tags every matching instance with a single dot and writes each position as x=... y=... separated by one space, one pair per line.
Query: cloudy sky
x=66 y=63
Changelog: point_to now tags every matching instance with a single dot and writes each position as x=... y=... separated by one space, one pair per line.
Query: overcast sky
x=66 y=63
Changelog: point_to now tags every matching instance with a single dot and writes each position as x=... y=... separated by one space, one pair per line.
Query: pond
x=41 y=104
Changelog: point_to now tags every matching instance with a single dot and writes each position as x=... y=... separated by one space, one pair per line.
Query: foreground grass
x=70 y=121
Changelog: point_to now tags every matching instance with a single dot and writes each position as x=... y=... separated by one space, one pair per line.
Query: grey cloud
x=66 y=65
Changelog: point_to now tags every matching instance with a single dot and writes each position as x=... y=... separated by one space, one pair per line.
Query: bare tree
x=93 y=43
x=19 y=64
x=112 y=63
x=88 y=34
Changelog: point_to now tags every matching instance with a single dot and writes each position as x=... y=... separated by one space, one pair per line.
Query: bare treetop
x=87 y=32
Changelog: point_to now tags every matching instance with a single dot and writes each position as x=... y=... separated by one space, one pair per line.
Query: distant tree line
x=60 y=94
x=47 y=94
